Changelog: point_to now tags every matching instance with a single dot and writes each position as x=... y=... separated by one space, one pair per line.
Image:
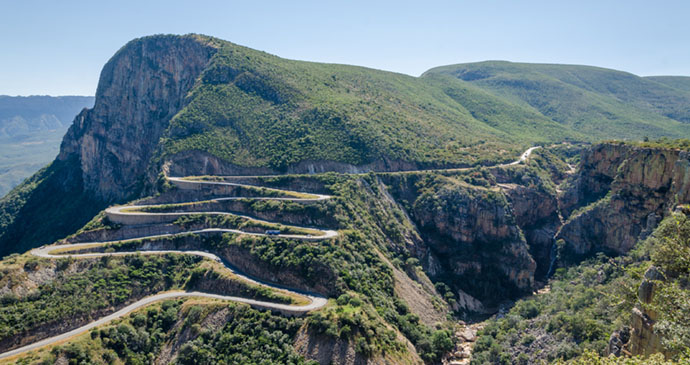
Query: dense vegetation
x=368 y=314
x=34 y=213
x=595 y=101
x=84 y=289
x=241 y=335
x=587 y=302
x=669 y=143
x=239 y=223
x=670 y=252
x=361 y=280
x=99 y=285
x=255 y=109
x=249 y=337
x=579 y=313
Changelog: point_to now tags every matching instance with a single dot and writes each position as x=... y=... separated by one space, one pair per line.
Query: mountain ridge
x=573 y=94
x=233 y=110
x=412 y=242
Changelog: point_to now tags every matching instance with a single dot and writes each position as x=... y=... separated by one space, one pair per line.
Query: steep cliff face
x=491 y=239
x=535 y=206
x=598 y=167
x=105 y=155
x=474 y=234
x=536 y=214
x=640 y=338
x=141 y=88
x=639 y=187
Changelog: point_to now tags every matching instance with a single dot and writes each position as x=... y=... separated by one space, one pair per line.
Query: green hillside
x=255 y=109
x=676 y=82
x=600 y=103
x=381 y=265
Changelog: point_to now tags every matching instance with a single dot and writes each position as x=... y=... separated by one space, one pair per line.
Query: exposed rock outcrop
x=474 y=234
x=618 y=341
x=633 y=188
x=640 y=338
x=140 y=89
x=329 y=350
x=468 y=237
x=202 y=163
x=536 y=213
x=598 y=167
x=643 y=339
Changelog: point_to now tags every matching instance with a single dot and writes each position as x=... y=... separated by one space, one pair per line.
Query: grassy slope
x=676 y=82
x=255 y=109
x=595 y=101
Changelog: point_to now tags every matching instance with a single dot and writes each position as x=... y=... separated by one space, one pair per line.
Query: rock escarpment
x=473 y=234
x=495 y=235
x=536 y=210
x=140 y=89
x=106 y=155
x=597 y=169
x=487 y=234
x=631 y=188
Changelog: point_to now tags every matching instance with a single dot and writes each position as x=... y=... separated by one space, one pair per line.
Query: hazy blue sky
x=58 y=47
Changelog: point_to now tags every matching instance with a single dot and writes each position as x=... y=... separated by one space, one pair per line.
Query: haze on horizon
x=59 y=48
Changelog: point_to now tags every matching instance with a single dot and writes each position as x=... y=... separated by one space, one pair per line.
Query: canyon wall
x=620 y=195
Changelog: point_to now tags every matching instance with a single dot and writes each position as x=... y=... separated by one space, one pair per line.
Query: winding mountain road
x=124 y=214
x=523 y=157
x=131 y=213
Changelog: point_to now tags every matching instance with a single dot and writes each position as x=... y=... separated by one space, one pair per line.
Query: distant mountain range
x=31 y=128
x=597 y=102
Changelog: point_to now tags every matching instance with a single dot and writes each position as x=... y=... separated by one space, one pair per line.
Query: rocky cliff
x=619 y=196
x=493 y=233
x=485 y=233
x=106 y=154
x=140 y=89
x=640 y=338
x=534 y=204
x=473 y=234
